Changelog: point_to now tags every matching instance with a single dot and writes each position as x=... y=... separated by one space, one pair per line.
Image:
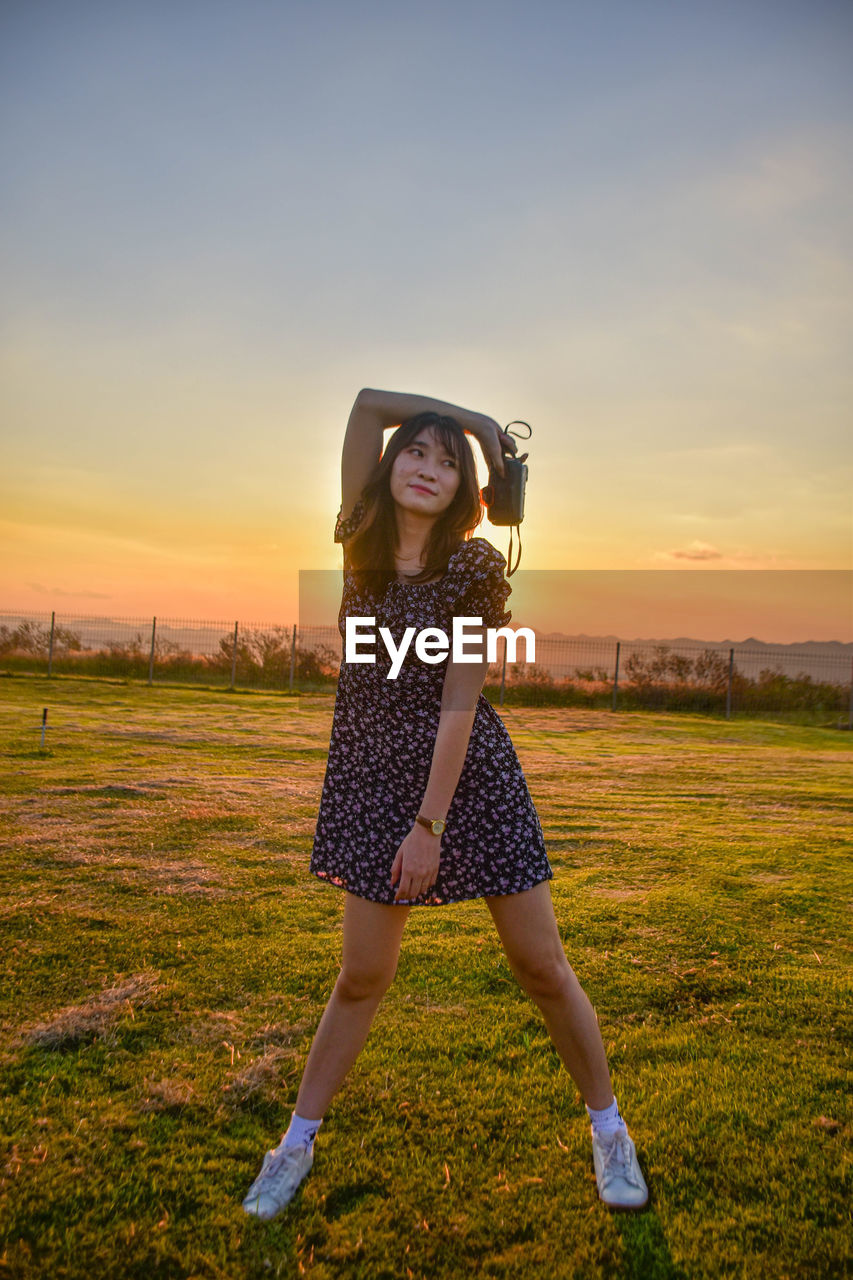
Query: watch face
x=435 y=825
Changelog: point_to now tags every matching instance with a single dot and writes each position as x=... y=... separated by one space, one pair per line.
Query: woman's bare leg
x=371 y=947
x=528 y=931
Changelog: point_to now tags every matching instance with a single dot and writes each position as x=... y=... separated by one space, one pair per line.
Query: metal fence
x=814 y=683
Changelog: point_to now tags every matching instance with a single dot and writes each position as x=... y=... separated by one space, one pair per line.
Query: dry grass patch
x=96 y=1017
x=61 y=831
x=619 y=894
x=15 y=907
x=555 y=719
x=280 y=1034
x=261 y=1079
x=109 y=789
x=186 y=878
x=166 y=1096
x=96 y=856
x=220 y=1026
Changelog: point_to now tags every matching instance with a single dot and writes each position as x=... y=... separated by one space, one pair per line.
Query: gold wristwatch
x=435 y=825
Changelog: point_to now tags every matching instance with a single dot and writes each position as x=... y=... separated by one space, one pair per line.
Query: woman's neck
x=412 y=534
x=415 y=558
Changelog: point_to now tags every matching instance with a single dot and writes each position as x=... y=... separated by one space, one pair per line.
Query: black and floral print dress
x=383 y=734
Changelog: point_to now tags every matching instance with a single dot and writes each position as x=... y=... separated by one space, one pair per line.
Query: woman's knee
x=363 y=982
x=371 y=948
x=543 y=977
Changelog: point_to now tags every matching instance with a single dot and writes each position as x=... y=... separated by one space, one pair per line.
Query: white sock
x=301 y=1130
x=608 y=1120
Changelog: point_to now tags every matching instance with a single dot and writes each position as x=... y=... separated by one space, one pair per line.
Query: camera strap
x=517 y=422
x=511 y=570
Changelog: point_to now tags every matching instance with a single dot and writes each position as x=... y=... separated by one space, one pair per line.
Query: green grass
x=167 y=957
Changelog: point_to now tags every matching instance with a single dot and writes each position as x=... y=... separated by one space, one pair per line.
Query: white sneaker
x=621 y=1184
x=275 y=1186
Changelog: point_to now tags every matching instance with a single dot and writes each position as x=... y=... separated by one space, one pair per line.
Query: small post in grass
x=292 y=656
x=616 y=674
x=43 y=726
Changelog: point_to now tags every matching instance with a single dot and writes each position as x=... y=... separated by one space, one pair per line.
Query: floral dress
x=382 y=740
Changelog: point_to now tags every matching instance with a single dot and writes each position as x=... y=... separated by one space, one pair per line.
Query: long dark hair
x=371 y=550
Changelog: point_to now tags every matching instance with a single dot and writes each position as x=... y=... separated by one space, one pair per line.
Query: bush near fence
x=267 y=659
x=262 y=660
x=670 y=681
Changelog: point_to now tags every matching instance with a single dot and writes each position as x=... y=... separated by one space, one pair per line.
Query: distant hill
x=823 y=660
x=836 y=648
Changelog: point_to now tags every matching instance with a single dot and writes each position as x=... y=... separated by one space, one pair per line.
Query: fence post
x=151 y=657
x=729 y=684
x=850 y=716
x=503 y=672
x=234 y=654
x=616 y=675
x=292 y=656
x=50 y=647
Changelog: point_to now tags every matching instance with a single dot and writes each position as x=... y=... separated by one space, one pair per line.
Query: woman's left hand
x=416 y=864
x=492 y=439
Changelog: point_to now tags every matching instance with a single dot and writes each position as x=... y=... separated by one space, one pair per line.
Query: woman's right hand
x=492 y=439
x=415 y=867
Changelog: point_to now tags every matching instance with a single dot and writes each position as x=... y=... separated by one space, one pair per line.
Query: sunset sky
x=627 y=223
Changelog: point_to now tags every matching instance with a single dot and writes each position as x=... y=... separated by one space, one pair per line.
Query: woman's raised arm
x=374 y=412
x=361 y=451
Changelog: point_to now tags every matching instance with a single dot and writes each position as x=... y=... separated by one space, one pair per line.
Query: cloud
x=788 y=174
x=42 y=590
x=695 y=551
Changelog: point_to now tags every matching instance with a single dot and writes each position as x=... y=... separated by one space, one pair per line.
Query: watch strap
x=431 y=824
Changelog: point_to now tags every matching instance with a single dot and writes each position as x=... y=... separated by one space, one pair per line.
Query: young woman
x=424 y=800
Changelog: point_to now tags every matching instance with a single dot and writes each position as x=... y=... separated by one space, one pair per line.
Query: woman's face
x=424 y=477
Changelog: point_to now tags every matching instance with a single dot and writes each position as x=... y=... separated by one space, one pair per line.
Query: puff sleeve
x=479 y=588
x=344 y=529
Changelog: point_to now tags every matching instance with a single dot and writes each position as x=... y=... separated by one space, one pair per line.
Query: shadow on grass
x=346 y=1198
x=645 y=1252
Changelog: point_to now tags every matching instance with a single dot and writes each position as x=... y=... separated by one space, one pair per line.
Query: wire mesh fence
x=808 y=684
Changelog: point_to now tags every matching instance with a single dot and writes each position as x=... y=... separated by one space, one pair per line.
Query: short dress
x=382 y=740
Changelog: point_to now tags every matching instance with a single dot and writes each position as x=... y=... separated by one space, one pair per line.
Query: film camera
x=503 y=496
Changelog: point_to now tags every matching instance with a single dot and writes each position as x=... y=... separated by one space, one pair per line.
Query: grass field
x=167 y=957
